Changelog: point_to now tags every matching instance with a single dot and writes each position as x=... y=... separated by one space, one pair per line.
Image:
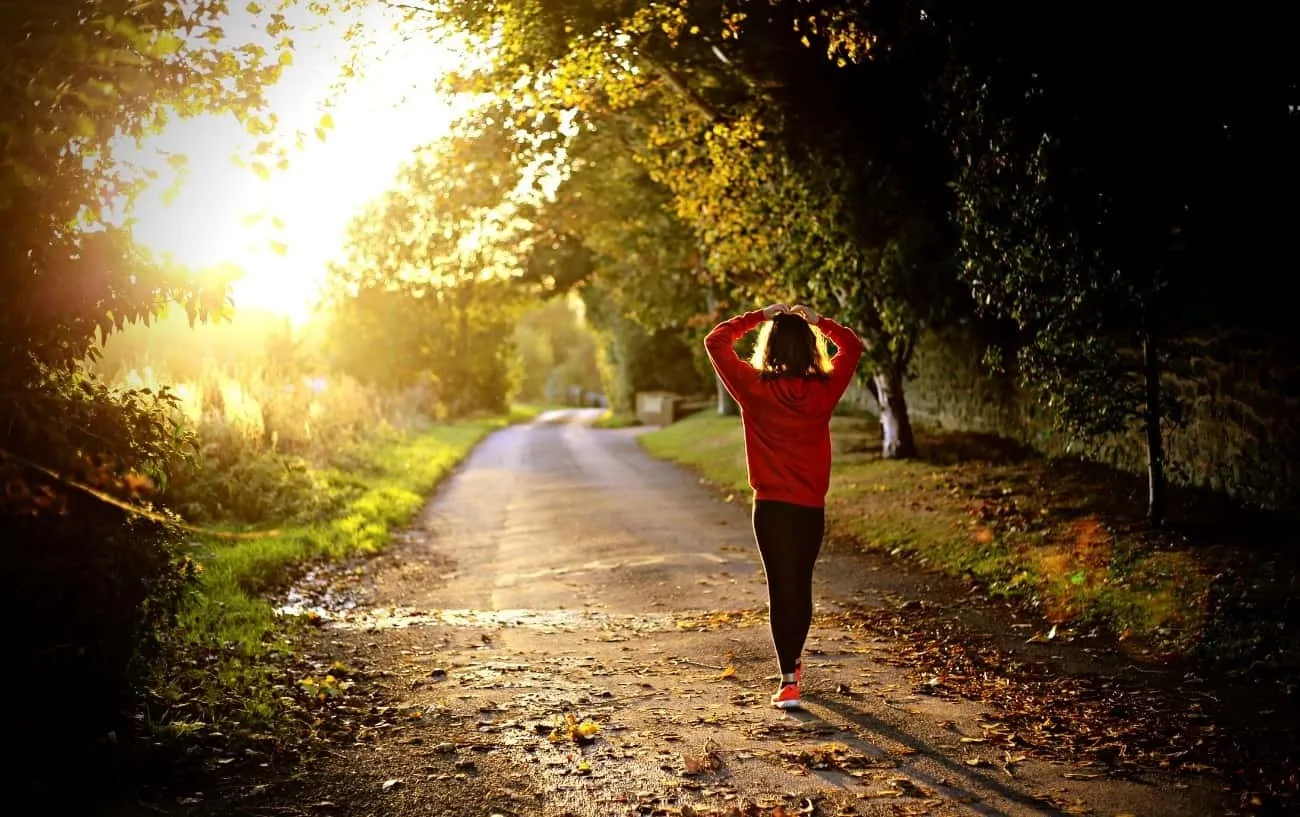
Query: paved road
x=562 y=571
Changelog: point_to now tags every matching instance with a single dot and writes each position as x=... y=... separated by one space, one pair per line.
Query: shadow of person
x=961 y=783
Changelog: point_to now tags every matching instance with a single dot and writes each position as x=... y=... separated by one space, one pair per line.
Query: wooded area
x=1094 y=186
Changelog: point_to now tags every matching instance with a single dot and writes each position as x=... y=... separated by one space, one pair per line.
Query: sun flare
x=283 y=229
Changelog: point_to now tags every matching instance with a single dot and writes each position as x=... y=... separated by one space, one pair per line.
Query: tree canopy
x=83 y=80
x=793 y=175
x=425 y=295
x=1100 y=211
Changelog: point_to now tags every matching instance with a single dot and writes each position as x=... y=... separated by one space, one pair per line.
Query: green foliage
x=82 y=79
x=1098 y=214
x=457 y=342
x=707 y=158
x=634 y=247
x=96 y=590
x=634 y=359
x=556 y=350
x=68 y=421
x=425 y=295
x=236 y=483
x=231 y=615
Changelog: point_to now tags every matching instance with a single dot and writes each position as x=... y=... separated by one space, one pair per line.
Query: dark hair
x=789 y=347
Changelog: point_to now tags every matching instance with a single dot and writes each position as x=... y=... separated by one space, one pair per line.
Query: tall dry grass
x=271 y=448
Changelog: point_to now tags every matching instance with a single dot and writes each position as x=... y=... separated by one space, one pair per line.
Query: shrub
x=90 y=590
x=264 y=446
x=92 y=596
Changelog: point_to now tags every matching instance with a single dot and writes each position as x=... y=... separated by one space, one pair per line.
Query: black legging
x=789 y=538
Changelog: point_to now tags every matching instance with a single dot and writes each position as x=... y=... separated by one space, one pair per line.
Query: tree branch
x=130 y=508
x=679 y=85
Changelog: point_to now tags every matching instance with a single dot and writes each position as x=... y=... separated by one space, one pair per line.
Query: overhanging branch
x=679 y=85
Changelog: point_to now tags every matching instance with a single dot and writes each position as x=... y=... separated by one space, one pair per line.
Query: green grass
x=1000 y=520
x=232 y=614
x=711 y=444
x=399 y=475
x=612 y=419
x=525 y=412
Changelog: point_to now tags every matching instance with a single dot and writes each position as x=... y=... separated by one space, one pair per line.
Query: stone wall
x=1239 y=396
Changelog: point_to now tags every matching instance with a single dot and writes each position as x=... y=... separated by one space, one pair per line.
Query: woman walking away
x=786 y=395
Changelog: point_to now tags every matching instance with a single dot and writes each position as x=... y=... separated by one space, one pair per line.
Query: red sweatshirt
x=786 y=419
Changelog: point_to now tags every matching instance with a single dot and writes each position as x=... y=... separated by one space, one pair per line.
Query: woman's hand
x=806 y=312
x=770 y=312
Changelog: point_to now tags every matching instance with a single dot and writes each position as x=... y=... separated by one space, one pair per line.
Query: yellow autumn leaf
x=729 y=672
x=286 y=58
x=167 y=44
x=587 y=729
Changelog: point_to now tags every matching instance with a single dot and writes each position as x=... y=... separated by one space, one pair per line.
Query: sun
x=283 y=230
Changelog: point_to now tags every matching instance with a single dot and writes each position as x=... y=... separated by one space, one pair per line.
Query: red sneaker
x=787 y=697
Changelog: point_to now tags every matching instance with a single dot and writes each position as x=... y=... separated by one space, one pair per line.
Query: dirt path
x=563 y=572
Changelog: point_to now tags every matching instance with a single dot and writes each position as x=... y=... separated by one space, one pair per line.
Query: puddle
x=351 y=618
x=323 y=592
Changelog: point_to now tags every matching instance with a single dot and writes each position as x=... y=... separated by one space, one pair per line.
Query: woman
x=786 y=395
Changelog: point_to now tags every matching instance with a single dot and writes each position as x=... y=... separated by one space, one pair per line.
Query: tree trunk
x=1152 y=416
x=894 y=421
x=726 y=404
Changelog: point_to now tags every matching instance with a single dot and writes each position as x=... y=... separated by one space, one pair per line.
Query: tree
x=557 y=349
x=81 y=79
x=1098 y=211
x=428 y=274
x=635 y=359
x=729 y=114
x=641 y=278
x=597 y=220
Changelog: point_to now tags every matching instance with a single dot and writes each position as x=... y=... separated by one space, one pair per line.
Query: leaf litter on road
x=569 y=727
x=1115 y=726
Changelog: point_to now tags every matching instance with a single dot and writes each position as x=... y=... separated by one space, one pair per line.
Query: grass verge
x=525 y=412
x=235 y=646
x=612 y=419
x=1059 y=536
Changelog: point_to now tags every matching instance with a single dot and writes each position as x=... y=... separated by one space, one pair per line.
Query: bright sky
x=379 y=119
